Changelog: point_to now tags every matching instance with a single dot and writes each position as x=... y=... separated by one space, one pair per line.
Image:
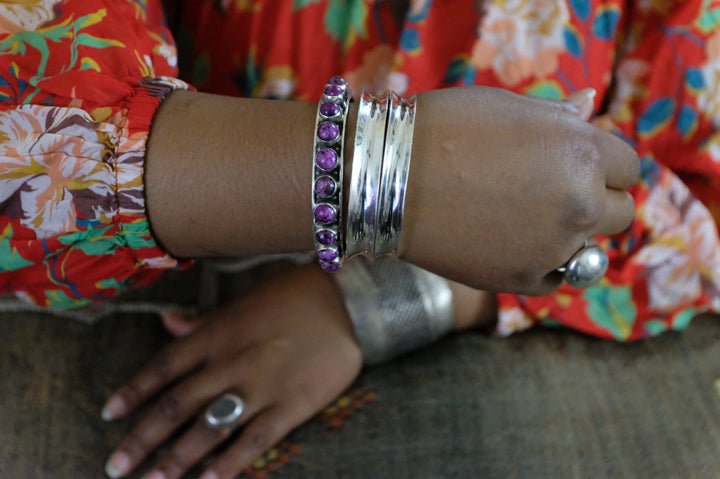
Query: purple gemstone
x=326 y=158
x=337 y=80
x=329 y=108
x=325 y=186
x=333 y=90
x=330 y=267
x=324 y=213
x=326 y=237
x=327 y=254
x=328 y=131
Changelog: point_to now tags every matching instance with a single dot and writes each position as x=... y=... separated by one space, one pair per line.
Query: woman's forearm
x=230 y=176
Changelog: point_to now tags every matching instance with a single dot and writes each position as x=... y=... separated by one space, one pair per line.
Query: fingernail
x=113 y=408
x=209 y=475
x=155 y=475
x=584 y=94
x=170 y=315
x=118 y=465
x=582 y=101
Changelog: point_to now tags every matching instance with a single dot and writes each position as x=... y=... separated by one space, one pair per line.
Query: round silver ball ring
x=587 y=267
x=224 y=412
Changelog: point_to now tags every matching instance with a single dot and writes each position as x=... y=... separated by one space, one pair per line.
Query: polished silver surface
x=587 y=267
x=365 y=177
x=393 y=182
x=224 y=412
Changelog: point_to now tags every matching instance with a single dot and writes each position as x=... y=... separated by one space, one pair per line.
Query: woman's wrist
x=229 y=176
x=472 y=308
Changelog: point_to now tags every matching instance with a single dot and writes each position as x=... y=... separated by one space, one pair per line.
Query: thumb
x=583 y=103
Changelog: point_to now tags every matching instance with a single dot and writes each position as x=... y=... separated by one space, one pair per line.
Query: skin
x=306 y=339
x=522 y=204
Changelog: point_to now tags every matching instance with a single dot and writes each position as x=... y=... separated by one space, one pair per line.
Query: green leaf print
x=546 y=89
x=137 y=234
x=91 y=242
x=612 y=308
x=299 y=4
x=10 y=259
x=58 y=299
x=709 y=20
x=345 y=19
x=17 y=43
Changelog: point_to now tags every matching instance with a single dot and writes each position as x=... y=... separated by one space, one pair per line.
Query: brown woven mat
x=546 y=404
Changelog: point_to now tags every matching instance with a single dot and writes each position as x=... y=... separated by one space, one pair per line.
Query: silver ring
x=587 y=267
x=224 y=412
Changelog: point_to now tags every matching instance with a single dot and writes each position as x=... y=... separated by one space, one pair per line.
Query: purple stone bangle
x=327 y=199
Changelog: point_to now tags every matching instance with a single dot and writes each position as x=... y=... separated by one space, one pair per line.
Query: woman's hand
x=503 y=189
x=287 y=349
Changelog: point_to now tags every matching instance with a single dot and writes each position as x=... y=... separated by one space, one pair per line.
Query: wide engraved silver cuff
x=395 y=307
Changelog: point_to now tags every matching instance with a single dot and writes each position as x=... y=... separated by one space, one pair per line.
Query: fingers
x=200 y=439
x=267 y=429
x=623 y=164
x=170 y=412
x=179 y=325
x=619 y=213
x=174 y=361
x=583 y=101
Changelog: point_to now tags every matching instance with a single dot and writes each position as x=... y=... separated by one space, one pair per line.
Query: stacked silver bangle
x=366 y=170
x=395 y=168
x=394 y=306
x=381 y=163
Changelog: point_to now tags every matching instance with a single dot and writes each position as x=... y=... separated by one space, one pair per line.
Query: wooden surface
x=548 y=404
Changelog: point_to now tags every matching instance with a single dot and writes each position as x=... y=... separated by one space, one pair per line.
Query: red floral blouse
x=80 y=81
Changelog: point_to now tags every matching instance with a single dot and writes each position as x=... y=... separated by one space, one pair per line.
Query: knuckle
x=130 y=394
x=172 y=464
x=582 y=211
x=135 y=445
x=168 y=408
x=257 y=439
x=162 y=369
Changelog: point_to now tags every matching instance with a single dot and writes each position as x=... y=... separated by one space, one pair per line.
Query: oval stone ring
x=587 y=267
x=224 y=412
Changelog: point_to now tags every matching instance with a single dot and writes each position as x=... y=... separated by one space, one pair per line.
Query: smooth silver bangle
x=365 y=178
x=327 y=199
x=395 y=307
x=393 y=182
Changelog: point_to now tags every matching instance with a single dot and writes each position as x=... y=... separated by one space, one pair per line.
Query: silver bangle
x=327 y=199
x=365 y=178
x=395 y=307
x=393 y=183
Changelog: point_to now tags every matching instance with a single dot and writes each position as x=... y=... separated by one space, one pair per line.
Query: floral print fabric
x=76 y=104
x=655 y=65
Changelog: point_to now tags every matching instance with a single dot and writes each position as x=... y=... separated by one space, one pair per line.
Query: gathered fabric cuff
x=73 y=220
